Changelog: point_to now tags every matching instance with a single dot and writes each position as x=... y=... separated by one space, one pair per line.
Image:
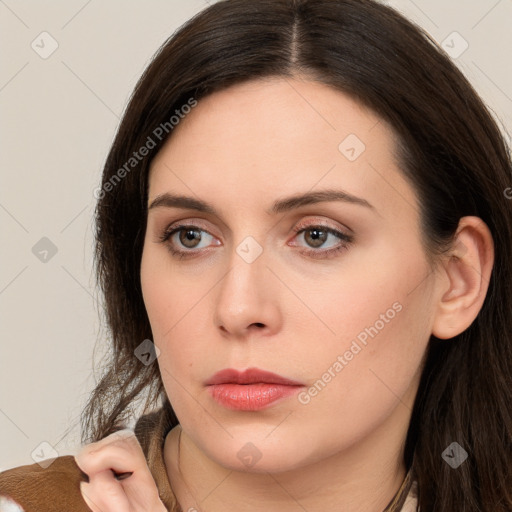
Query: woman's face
x=336 y=295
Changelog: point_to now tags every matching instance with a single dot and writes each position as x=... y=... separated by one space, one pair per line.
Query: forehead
x=276 y=137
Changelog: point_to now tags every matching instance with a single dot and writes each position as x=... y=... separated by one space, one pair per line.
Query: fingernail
x=84 y=476
x=122 y=476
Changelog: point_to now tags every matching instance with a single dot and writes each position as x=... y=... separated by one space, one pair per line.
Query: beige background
x=58 y=117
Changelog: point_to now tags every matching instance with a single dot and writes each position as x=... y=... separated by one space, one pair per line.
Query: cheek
x=369 y=369
x=169 y=310
x=381 y=316
x=171 y=297
x=175 y=304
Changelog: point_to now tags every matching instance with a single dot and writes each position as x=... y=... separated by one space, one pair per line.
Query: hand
x=119 y=478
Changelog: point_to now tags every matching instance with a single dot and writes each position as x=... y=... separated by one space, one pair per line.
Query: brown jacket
x=57 y=488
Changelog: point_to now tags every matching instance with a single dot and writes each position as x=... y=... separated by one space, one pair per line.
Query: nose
x=247 y=301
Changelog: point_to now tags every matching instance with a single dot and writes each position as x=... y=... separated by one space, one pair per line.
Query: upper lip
x=249 y=376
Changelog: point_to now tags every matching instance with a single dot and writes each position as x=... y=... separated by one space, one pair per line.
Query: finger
x=122 y=463
x=105 y=494
x=117 y=437
x=142 y=493
x=120 y=452
x=88 y=498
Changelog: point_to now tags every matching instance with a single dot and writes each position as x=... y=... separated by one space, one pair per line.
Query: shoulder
x=54 y=488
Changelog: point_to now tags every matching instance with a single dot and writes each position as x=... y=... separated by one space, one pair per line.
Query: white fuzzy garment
x=7 y=505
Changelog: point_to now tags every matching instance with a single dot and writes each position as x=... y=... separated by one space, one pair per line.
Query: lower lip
x=250 y=397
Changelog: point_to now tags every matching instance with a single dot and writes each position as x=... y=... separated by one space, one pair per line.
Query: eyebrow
x=169 y=200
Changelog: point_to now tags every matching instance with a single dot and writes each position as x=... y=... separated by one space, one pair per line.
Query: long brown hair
x=448 y=146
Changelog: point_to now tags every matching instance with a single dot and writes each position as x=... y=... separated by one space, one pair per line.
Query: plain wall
x=58 y=117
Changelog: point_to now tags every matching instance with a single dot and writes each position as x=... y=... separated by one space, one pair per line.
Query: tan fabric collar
x=151 y=431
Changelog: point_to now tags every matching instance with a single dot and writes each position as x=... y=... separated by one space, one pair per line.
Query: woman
x=305 y=209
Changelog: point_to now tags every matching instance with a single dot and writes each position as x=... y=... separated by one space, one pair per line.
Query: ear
x=468 y=271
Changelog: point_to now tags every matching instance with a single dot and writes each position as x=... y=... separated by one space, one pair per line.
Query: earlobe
x=468 y=272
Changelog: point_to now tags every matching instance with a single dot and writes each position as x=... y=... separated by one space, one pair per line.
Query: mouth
x=250 y=390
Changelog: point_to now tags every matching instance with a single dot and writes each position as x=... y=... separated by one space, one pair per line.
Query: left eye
x=316 y=236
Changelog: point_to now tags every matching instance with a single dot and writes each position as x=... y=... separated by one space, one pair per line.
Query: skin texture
x=289 y=312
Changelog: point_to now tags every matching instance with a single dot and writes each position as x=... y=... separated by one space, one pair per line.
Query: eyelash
x=346 y=240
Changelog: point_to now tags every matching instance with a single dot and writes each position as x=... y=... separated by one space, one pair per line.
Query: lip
x=250 y=390
x=249 y=376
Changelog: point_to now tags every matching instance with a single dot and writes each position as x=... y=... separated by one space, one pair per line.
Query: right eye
x=187 y=236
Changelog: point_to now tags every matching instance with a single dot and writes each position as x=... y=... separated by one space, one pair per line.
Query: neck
x=364 y=477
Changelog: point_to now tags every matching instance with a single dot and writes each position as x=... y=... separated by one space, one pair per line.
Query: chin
x=255 y=451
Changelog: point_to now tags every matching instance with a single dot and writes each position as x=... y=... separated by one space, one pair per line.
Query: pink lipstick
x=250 y=390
